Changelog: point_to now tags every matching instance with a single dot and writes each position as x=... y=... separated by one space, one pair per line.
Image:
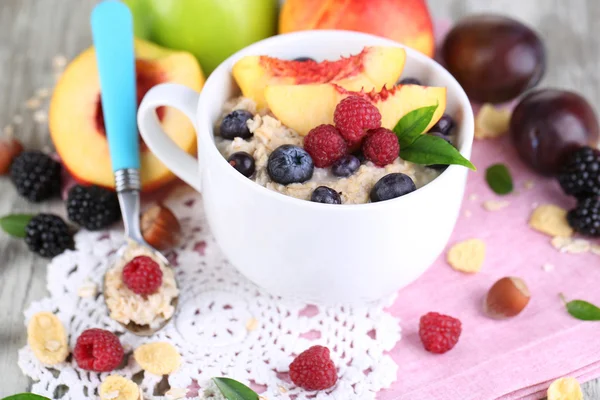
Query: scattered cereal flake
x=548 y=267
x=491 y=122
x=8 y=131
x=467 y=256
x=40 y=116
x=176 y=394
x=474 y=197
x=17 y=119
x=495 y=205
x=252 y=324
x=116 y=387
x=570 y=245
x=529 y=184
x=565 y=389
x=42 y=93
x=596 y=249
x=87 y=289
x=468 y=213
x=33 y=103
x=59 y=61
x=47 y=338
x=282 y=389
x=551 y=220
x=159 y=358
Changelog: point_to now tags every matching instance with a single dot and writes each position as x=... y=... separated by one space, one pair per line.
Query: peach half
x=77 y=124
x=302 y=107
x=371 y=69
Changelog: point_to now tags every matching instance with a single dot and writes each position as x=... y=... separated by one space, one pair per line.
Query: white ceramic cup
x=299 y=249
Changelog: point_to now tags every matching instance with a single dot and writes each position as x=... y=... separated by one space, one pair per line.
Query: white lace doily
x=224 y=326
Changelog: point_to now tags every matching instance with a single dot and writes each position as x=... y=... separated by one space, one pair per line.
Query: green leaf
x=430 y=150
x=15 y=224
x=412 y=125
x=234 y=390
x=583 y=310
x=26 y=396
x=499 y=179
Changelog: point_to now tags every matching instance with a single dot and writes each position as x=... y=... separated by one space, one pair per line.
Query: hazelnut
x=506 y=298
x=160 y=227
x=9 y=149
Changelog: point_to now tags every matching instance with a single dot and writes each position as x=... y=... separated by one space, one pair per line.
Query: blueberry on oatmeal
x=444 y=125
x=392 y=186
x=325 y=195
x=345 y=166
x=290 y=164
x=243 y=163
x=235 y=125
x=410 y=81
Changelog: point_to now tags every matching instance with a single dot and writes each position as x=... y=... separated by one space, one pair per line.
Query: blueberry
x=234 y=125
x=392 y=186
x=290 y=164
x=439 y=167
x=410 y=81
x=243 y=163
x=325 y=195
x=345 y=166
x=444 y=125
x=303 y=59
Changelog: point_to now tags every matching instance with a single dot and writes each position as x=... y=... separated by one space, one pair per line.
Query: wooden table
x=35 y=32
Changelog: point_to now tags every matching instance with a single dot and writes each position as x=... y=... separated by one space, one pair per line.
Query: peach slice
x=77 y=124
x=302 y=107
x=373 y=68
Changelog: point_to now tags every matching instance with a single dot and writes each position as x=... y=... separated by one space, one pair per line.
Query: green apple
x=212 y=30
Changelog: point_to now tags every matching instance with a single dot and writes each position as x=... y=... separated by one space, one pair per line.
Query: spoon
x=112 y=31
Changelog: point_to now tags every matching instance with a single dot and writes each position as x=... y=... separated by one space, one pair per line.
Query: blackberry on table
x=93 y=207
x=580 y=175
x=585 y=218
x=48 y=235
x=36 y=175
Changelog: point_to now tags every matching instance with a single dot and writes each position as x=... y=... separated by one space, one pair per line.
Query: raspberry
x=381 y=146
x=142 y=275
x=313 y=369
x=98 y=350
x=325 y=145
x=439 y=333
x=354 y=116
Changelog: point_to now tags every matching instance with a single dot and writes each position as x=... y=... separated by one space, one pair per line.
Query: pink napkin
x=510 y=359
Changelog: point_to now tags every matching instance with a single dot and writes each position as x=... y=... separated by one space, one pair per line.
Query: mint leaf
x=583 y=310
x=429 y=150
x=15 y=224
x=499 y=179
x=234 y=390
x=25 y=396
x=412 y=125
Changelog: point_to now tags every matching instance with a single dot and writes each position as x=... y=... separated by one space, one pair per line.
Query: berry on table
x=392 y=186
x=354 y=116
x=93 y=207
x=410 y=81
x=313 y=369
x=142 y=275
x=345 y=166
x=381 y=147
x=98 y=350
x=235 y=125
x=243 y=163
x=326 y=195
x=36 y=175
x=290 y=164
x=585 y=218
x=444 y=125
x=439 y=333
x=48 y=235
x=325 y=145
x=580 y=175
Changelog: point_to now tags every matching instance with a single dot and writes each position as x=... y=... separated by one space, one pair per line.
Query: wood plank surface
x=34 y=32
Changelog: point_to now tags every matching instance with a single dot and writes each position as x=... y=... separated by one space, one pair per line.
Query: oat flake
x=40 y=116
x=87 y=289
x=59 y=61
x=176 y=394
x=33 y=103
x=570 y=245
x=252 y=324
x=8 y=131
x=495 y=205
x=491 y=122
x=467 y=256
x=551 y=220
x=529 y=184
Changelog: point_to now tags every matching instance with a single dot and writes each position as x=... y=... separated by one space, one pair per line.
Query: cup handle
x=183 y=99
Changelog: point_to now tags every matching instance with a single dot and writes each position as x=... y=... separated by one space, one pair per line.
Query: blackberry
x=585 y=218
x=48 y=235
x=580 y=175
x=93 y=207
x=36 y=176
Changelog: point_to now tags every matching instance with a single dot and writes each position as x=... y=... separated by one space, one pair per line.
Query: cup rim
x=205 y=126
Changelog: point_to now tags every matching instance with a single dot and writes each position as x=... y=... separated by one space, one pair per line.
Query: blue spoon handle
x=112 y=31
